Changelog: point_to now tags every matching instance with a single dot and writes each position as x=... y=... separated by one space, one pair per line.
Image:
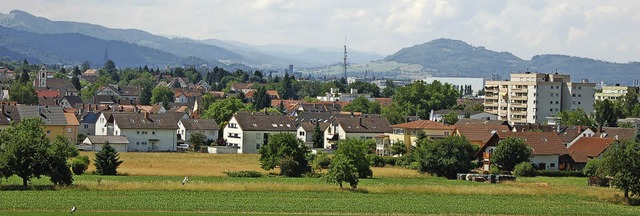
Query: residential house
x=587 y=148
x=336 y=95
x=8 y=114
x=355 y=127
x=95 y=143
x=250 y=130
x=207 y=127
x=241 y=87
x=570 y=134
x=70 y=101
x=130 y=93
x=146 y=132
x=408 y=132
x=547 y=149
x=480 y=134
x=305 y=130
x=56 y=122
x=616 y=133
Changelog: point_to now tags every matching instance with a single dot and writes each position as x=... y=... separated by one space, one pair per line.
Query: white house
x=547 y=148
x=304 y=131
x=145 y=132
x=249 y=131
x=356 y=127
x=207 y=127
x=95 y=143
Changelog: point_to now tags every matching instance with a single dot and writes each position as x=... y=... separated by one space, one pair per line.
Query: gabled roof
x=129 y=90
x=358 y=124
x=613 y=132
x=589 y=147
x=47 y=101
x=534 y=127
x=200 y=124
x=73 y=100
x=138 y=121
x=239 y=86
x=111 y=139
x=423 y=124
x=569 y=133
x=317 y=116
x=65 y=84
x=384 y=102
x=481 y=133
x=49 y=115
x=466 y=121
x=51 y=93
x=310 y=126
x=542 y=143
x=257 y=121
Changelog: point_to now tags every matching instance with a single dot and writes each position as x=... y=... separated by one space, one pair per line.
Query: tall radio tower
x=344 y=66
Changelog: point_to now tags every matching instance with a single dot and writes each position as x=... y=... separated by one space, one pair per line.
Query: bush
x=390 y=160
x=80 y=164
x=559 y=173
x=244 y=174
x=376 y=160
x=591 y=169
x=495 y=170
x=321 y=161
x=524 y=169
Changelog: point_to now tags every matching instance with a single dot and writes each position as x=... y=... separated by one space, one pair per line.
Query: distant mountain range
x=446 y=57
x=40 y=40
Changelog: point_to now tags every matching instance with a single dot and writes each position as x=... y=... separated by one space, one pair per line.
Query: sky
x=605 y=30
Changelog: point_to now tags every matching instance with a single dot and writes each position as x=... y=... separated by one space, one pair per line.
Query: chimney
x=360 y=121
x=579 y=128
x=146 y=115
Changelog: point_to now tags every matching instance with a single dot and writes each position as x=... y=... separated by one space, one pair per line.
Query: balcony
x=494 y=96
x=519 y=105
x=519 y=112
x=491 y=104
x=519 y=90
x=491 y=88
x=518 y=97
x=492 y=111
x=519 y=120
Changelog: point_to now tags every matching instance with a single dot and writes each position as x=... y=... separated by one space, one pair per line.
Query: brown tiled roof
x=481 y=133
x=73 y=100
x=155 y=109
x=61 y=84
x=569 y=133
x=288 y=104
x=613 y=132
x=200 y=124
x=129 y=90
x=534 y=127
x=358 y=124
x=257 y=121
x=466 y=121
x=49 y=93
x=137 y=120
x=542 y=143
x=589 y=147
x=273 y=93
x=384 y=102
x=47 y=101
x=423 y=124
x=310 y=126
x=220 y=94
x=71 y=119
x=240 y=86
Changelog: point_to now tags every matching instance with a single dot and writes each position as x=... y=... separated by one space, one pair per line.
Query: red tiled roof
x=542 y=143
x=481 y=132
x=423 y=124
x=48 y=93
x=589 y=147
x=384 y=102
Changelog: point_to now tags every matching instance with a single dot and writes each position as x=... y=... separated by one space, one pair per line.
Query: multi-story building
x=248 y=131
x=614 y=92
x=532 y=97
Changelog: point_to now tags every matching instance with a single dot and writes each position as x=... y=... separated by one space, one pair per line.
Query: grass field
x=157 y=190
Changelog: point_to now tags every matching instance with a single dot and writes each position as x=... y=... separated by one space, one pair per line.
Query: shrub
x=591 y=169
x=80 y=164
x=524 y=169
x=244 y=174
x=390 y=160
x=446 y=157
x=559 y=173
x=376 y=160
x=321 y=161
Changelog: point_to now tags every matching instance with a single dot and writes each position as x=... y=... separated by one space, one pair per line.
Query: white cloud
x=591 y=28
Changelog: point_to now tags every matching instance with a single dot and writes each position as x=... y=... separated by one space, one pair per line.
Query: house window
x=552 y=165
x=68 y=130
x=138 y=132
x=550 y=102
x=49 y=132
x=153 y=132
x=579 y=95
x=137 y=143
x=86 y=126
x=578 y=102
x=446 y=133
x=257 y=146
x=301 y=133
x=233 y=125
x=102 y=130
x=556 y=102
x=551 y=110
x=234 y=135
x=551 y=94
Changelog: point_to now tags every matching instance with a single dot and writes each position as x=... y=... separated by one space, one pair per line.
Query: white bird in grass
x=186 y=178
x=73 y=209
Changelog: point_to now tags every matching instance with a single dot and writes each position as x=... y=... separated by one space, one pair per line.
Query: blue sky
x=607 y=30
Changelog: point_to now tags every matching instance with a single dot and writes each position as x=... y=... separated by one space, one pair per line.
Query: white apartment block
x=614 y=92
x=531 y=97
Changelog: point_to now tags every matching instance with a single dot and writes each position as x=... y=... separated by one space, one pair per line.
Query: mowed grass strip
x=340 y=202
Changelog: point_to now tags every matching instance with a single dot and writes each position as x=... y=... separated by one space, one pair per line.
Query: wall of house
x=228 y=131
x=210 y=134
x=101 y=126
x=330 y=131
x=252 y=141
x=87 y=146
x=551 y=161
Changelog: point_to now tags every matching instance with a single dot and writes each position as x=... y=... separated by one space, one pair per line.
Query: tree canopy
x=107 y=160
x=356 y=150
x=420 y=98
x=23 y=93
x=622 y=162
x=445 y=157
x=222 y=110
x=286 y=151
x=510 y=152
x=362 y=104
x=162 y=95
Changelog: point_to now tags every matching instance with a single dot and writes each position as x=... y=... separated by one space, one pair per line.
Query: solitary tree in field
x=510 y=152
x=107 y=160
x=342 y=170
x=355 y=150
x=286 y=151
x=622 y=161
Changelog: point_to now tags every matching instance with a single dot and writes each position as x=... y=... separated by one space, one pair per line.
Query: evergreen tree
x=76 y=71
x=261 y=99
x=317 y=137
x=76 y=82
x=107 y=160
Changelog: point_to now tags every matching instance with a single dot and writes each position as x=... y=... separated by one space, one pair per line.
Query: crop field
x=392 y=191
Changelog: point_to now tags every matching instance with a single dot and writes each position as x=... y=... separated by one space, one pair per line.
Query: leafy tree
x=593 y=168
x=366 y=87
x=261 y=99
x=575 y=117
x=308 y=99
x=222 y=110
x=76 y=83
x=342 y=169
x=355 y=150
x=107 y=160
x=286 y=151
x=146 y=84
x=110 y=66
x=25 y=151
x=321 y=161
x=420 y=98
x=162 y=95
x=85 y=66
x=23 y=93
x=59 y=75
x=24 y=75
x=197 y=140
x=445 y=157
x=362 y=104
x=606 y=114
x=450 y=118
x=389 y=90
x=393 y=113
x=398 y=148
x=79 y=165
x=622 y=161
x=310 y=89
x=286 y=89
x=510 y=152
x=318 y=136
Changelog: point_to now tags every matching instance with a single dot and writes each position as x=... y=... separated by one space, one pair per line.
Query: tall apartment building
x=614 y=92
x=532 y=97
